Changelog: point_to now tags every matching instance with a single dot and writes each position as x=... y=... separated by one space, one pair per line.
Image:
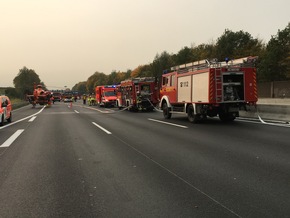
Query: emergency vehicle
x=139 y=93
x=67 y=96
x=209 y=88
x=40 y=96
x=5 y=110
x=56 y=96
x=106 y=95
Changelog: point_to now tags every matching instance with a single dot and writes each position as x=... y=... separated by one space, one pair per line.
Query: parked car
x=5 y=110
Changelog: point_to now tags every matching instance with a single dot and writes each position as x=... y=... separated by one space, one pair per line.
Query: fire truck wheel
x=193 y=118
x=10 y=118
x=2 y=120
x=226 y=117
x=166 y=111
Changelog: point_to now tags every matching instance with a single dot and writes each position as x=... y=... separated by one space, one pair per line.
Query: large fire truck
x=139 y=93
x=209 y=88
x=106 y=95
x=39 y=96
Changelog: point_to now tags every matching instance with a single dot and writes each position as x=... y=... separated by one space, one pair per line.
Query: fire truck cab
x=139 y=93
x=209 y=88
x=106 y=95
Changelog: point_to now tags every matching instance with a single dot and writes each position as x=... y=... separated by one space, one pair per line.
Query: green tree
x=25 y=80
x=141 y=71
x=236 y=45
x=116 y=77
x=185 y=55
x=275 y=63
x=204 y=51
x=96 y=79
x=160 y=63
x=80 y=87
x=112 y=78
x=127 y=75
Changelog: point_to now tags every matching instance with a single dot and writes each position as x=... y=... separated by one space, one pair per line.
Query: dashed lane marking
x=12 y=138
x=102 y=128
x=32 y=119
x=17 y=121
x=167 y=123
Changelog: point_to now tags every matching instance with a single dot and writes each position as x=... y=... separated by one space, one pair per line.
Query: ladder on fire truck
x=218 y=84
x=202 y=64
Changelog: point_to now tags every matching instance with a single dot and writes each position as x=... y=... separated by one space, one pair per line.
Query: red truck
x=138 y=94
x=106 y=95
x=56 y=96
x=209 y=88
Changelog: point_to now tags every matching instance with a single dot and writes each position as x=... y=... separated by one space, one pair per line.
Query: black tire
x=166 y=111
x=2 y=120
x=10 y=118
x=193 y=118
x=227 y=117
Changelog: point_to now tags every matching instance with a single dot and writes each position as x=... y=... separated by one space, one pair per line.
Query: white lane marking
x=12 y=138
x=32 y=118
x=171 y=124
x=77 y=112
x=106 y=111
x=93 y=109
x=106 y=131
x=25 y=118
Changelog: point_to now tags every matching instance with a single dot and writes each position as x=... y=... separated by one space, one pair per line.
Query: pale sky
x=66 y=41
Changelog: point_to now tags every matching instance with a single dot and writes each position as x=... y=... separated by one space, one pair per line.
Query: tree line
x=273 y=63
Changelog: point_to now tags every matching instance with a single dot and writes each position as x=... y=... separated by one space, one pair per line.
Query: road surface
x=83 y=161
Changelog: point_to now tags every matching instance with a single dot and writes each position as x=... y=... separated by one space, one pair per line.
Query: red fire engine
x=138 y=94
x=106 y=95
x=209 y=88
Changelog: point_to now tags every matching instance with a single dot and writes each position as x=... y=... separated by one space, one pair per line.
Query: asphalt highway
x=86 y=161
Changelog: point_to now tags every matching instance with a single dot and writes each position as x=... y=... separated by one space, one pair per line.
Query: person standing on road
x=84 y=99
x=89 y=100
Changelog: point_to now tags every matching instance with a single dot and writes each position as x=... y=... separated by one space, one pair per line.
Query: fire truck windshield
x=110 y=93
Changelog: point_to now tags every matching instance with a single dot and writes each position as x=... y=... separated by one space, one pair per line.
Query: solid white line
x=77 y=112
x=25 y=118
x=32 y=118
x=106 y=131
x=12 y=138
x=172 y=124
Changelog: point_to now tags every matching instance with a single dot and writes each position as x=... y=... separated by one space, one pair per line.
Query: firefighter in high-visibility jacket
x=93 y=101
